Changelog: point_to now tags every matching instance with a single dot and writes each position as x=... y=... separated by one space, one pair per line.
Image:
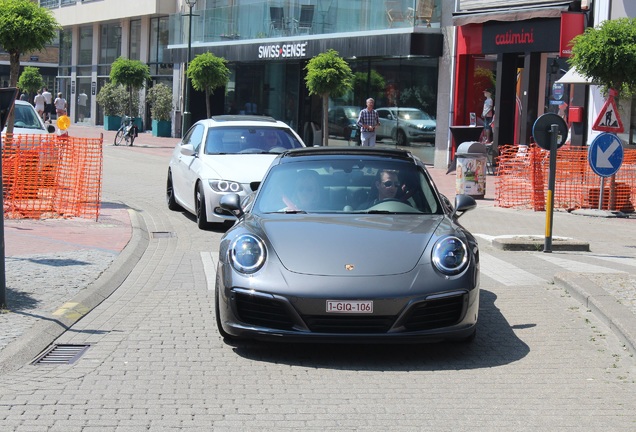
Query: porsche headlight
x=450 y=255
x=247 y=253
x=225 y=186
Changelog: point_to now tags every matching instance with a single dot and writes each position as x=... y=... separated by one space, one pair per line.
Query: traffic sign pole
x=549 y=211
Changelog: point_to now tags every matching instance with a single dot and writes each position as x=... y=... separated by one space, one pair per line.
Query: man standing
x=368 y=120
x=487 y=114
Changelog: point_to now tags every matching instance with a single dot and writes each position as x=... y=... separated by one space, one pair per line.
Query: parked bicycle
x=127 y=132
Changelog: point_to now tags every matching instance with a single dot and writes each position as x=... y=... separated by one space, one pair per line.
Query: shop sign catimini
x=289 y=50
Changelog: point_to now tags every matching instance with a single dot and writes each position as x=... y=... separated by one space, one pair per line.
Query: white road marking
x=209 y=267
x=506 y=273
x=577 y=267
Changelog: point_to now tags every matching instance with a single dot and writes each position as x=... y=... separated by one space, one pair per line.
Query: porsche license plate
x=350 y=306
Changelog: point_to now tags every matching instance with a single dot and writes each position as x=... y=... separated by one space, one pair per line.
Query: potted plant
x=112 y=98
x=160 y=99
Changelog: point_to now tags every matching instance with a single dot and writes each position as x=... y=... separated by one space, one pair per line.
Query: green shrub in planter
x=160 y=99
x=113 y=99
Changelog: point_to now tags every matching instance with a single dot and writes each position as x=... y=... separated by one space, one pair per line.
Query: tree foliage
x=113 y=99
x=132 y=74
x=328 y=75
x=24 y=27
x=208 y=72
x=31 y=80
x=607 y=55
x=160 y=99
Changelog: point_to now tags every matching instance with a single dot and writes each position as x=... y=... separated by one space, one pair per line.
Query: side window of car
x=196 y=137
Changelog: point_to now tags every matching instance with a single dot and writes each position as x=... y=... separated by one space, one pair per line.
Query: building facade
x=394 y=48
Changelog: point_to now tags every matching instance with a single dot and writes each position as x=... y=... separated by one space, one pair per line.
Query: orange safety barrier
x=522 y=180
x=50 y=176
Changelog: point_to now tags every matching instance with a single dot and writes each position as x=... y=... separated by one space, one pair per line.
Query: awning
x=573 y=77
x=509 y=14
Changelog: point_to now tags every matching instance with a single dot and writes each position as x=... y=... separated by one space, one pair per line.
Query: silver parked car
x=347 y=244
x=222 y=155
x=405 y=125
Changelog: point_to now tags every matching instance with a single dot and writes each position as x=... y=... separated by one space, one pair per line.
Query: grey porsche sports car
x=351 y=244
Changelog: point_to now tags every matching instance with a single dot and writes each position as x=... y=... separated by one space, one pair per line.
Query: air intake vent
x=61 y=355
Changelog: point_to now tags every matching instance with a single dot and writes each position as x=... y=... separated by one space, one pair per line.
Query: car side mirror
x=187 y=150
x=463 y=203
x=232 y=203
x=50 y=128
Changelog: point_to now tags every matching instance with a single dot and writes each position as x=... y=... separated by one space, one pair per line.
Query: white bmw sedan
x=222 y=155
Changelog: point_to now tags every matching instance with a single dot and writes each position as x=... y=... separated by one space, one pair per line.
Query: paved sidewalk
x=58 y=270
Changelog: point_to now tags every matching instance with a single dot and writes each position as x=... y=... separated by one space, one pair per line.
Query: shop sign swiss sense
x=282 y=51
x=535 y=35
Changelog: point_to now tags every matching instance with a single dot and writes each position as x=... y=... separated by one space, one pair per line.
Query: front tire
x=201 y=213
x=170 y=199
x=217 y=308
x=119 y=138
x=401 y=139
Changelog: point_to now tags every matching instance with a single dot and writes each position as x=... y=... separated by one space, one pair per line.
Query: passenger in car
x=307 y=192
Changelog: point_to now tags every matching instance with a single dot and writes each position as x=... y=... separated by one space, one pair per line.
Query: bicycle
x=127 y=132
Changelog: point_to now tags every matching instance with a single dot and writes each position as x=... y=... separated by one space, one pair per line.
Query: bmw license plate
x=350 y=306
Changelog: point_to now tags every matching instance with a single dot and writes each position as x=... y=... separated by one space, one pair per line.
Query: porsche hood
x=364 y=245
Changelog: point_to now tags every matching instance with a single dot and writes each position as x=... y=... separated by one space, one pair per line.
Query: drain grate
x=61 y=354
x=162 y=234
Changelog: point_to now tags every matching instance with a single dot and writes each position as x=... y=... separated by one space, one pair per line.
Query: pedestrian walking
x=38 y=101
x=60 y=105
x=368 y=120
x=48 y=104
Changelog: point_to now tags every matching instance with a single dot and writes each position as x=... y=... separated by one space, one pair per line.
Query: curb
x=43 y=333
x=604 y=306
x=536 y=243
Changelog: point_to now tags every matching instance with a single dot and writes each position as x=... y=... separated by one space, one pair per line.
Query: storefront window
x=135 y=40
x=110 y=43
x=66 y=45
x=160 y=56
x=86 y=46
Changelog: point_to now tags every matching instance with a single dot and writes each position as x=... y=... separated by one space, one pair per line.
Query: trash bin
x=472 y=158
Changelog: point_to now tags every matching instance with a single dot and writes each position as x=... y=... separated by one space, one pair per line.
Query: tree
x=31 y=80
x=607 y=55
x=208 y=72
x=328 y=75
x=24 y=27
x=132 y=74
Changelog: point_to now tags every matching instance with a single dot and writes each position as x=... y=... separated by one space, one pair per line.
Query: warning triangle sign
x=608 y=119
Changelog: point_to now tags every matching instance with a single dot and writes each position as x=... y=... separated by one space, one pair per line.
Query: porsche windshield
x=347 y=186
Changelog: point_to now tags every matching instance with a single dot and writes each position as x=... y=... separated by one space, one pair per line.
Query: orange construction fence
x=50 y=176
x=522 y=180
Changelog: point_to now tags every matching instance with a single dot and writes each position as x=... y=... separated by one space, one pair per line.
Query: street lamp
x=187 y=115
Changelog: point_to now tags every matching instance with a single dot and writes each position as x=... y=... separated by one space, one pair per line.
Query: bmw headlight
x=247 y=254
x=450 y=255
x=225 y=186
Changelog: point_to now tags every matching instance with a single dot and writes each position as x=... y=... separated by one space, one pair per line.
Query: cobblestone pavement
x=541 y=360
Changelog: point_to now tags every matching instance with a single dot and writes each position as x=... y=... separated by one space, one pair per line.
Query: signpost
x=550 y=132
x=605 y=157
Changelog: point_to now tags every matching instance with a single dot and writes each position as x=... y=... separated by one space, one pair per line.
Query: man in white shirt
x=48 y=104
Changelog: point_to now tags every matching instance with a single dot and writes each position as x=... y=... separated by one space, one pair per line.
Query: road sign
x=605 y=154
x=608 y=119
x=541 y=130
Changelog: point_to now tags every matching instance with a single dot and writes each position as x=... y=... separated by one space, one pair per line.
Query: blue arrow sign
x=605 y=154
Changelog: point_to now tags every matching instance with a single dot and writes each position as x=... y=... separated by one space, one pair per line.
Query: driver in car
x=387 y=185
x=271 y=140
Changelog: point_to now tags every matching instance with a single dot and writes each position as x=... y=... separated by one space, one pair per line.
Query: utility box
x=472 y=159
